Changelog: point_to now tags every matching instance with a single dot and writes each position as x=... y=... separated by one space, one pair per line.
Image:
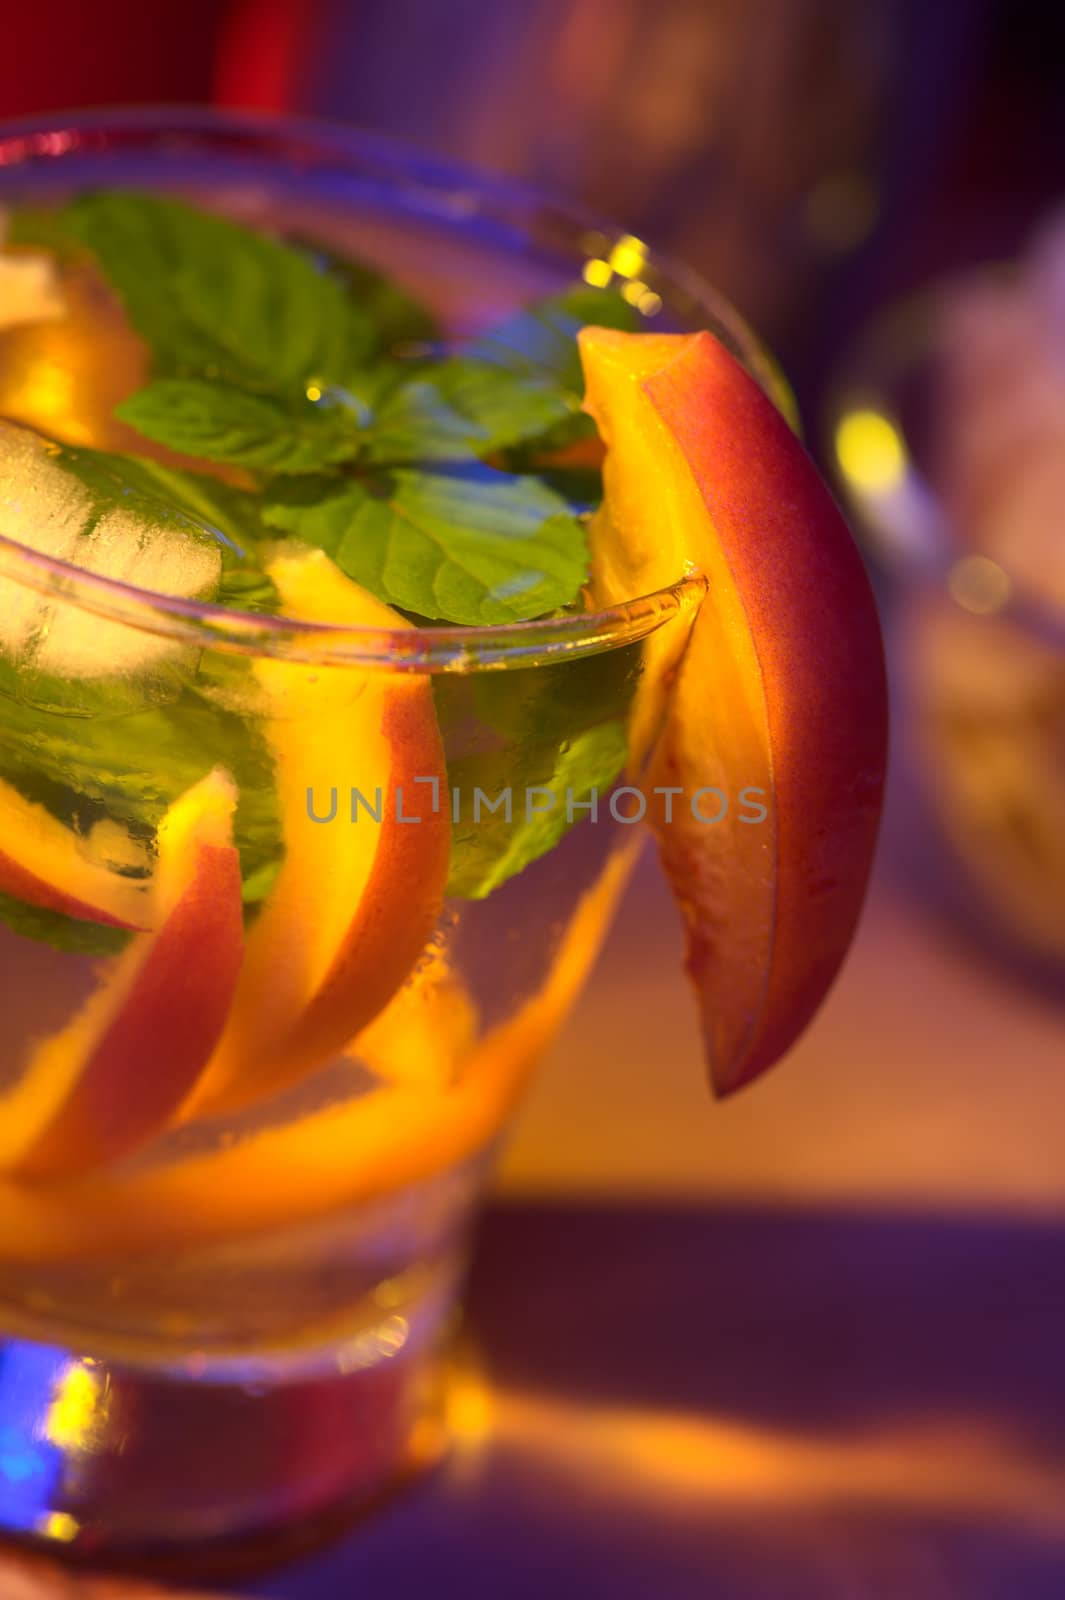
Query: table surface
x=751 y=1404
x=932 y=1079
x=802 y=1346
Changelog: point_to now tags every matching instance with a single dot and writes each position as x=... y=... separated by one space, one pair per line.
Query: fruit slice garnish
x=358 y=896
x=781 y=687
x=46 y=864
x=113 y=1076
x=340 y=1155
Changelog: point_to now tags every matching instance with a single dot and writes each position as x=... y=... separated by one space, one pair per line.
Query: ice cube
x=45 y=506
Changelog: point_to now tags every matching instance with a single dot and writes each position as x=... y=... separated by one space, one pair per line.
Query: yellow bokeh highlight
x=597 y=273
x=58 y=1525
x=628 y=257
x=646 y=301
x=870 y=452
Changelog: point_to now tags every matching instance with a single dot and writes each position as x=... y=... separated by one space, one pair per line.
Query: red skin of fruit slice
x=18 y=881
x=781 y=685
x=354 y=905
x=144 y=1038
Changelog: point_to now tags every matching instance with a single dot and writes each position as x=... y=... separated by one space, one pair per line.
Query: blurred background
x=811 y=156
x=854 y=1275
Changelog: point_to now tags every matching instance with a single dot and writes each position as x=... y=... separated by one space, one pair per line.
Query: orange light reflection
x=946 y=1464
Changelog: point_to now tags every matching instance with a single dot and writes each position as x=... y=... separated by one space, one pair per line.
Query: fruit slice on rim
x=46 y=864
x=361 y=888
x=115 y=1074
x=780 y=689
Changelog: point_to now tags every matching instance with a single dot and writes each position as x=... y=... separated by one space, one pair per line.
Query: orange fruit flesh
x=358 y=897
x=65 y=373
x=341 y=1156
x=780 y=691
x=425 y=1033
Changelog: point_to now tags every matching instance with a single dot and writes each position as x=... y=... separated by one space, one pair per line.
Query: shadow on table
x=748 y=1404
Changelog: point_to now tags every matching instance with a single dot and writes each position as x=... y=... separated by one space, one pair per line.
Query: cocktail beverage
x=335 y=699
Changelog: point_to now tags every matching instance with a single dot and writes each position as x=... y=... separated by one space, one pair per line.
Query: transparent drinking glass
x=976 y=642
x=231 y=1328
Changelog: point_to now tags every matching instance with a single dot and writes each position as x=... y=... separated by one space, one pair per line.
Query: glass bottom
x=214 y=1465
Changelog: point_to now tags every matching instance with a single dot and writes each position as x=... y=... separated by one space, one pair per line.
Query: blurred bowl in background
x=949 y=433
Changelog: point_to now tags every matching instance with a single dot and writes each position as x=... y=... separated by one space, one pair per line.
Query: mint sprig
x=216 y=300
x=423 y=468
x=472 y=545
x=310 y=374
x=237 y=427
x=560 y=729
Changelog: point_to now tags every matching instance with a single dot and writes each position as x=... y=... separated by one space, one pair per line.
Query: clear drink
x=225 y=1267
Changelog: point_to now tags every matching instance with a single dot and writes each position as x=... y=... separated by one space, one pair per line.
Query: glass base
x=213 y=1465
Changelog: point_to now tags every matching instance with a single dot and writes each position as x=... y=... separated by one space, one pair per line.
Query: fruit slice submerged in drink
x=780 y=691
x=363 y=797
x=340 y=1155
x=46 y=864
x=114 y=1075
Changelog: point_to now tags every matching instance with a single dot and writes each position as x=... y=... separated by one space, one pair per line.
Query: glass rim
x=905 y=524
x=450 y=648
x=303 y=142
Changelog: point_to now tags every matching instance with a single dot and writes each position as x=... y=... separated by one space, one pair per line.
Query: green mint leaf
x=217 y=300
x=415 y=422
x=591 y=763
x=560 y=728
x=538 y=352
x=397 y=321
x=519 y=383
x=40 y=228
x=130 y=765
x=540 y=342
x=470 y=546
x=62 y=933
x=508 y=406
x=223 y=424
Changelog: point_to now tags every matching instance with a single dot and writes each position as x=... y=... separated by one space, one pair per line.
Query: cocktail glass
x=230 y=1327
x=977 y=645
